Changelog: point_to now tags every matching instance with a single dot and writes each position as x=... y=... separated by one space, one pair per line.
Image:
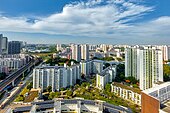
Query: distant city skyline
x=87 y=21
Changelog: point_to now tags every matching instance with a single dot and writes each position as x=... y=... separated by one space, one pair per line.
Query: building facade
x=131 y=62
x=86 y=67
x=55 y=76
x=154 y=98
x=85 y=51
x=165 y=52
x=98 y=66
x=126 y=93
x=150 y=68
x=72 y=106
x=76 y=52
x=145 y=64
x=14 y=47
x=106 y=76
x=3 y=45
x=58 y=47
x=10 y=63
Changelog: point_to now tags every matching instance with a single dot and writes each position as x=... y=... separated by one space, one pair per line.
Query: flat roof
x=50 y=104
x=157 y=87
x=137 y=90
x=48 y=67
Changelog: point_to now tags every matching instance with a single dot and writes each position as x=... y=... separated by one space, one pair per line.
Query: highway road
x=14 y=94
x=16 y=74
x=20 y=87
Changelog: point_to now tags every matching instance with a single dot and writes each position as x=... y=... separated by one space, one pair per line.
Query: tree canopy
x=2 y=76
x=166 y=70
x=120 y=73
x=60 y=61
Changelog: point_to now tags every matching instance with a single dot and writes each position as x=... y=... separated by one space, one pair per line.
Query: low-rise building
x=72 y=106
x=156 y=99
x=126 y=92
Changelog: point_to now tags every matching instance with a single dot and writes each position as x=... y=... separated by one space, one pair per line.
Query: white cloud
x=95 y=18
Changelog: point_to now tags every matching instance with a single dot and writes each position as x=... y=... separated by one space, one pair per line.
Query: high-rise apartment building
x=151 y=67
x=98 y=66
x=85 y=51
x=145 y=64
x=58 y=47
x=131 y=62
x=14 y=47
x=165 y=52
x=92 y=47
x=3 y=45
x=56 y=77
x=106 y=76
x=76 y=52
x=86 y=67
x=104 y=47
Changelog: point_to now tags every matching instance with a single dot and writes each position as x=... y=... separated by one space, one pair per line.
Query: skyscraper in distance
x=76 y=52
x=14 y=47
x=3 y=45
x=145 y=64
x=85 y=51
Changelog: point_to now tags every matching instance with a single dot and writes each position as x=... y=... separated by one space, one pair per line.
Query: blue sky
x=86 y=21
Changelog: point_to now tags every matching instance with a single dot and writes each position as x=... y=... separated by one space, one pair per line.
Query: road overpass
x=13 y=76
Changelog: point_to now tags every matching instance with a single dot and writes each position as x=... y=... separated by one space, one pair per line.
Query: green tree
x=30 y=86
x=108 y=58
x=49 y=89
x=62 y=89
x=132 y=79
x=84 y=84
x=120 y=73
x=20 y=98
x=69 y=93
x=119 y=59
x=107 y=65
x=52 y=49
x=122 y=49
x=2 y=76
x=51 y=95
x=108 y=88
x=57 y=94
x=166 y=70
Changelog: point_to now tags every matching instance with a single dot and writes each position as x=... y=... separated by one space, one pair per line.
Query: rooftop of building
x=48 y=67
x=137 y=90
x=56 y=67
x=104 y=72
x=85 y=61
x=100 y=61
x=50 y=104
x=157 y=87
x=7 y=59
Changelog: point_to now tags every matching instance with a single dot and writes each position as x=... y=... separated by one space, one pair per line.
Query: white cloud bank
x=95 y=18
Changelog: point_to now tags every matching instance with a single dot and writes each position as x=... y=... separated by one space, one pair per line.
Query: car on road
x=8 y=94
x=1 y=106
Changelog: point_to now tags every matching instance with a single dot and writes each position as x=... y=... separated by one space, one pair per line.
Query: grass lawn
x=91 y=93
x=20 y=97
x=24 y=91
x=31 y=96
